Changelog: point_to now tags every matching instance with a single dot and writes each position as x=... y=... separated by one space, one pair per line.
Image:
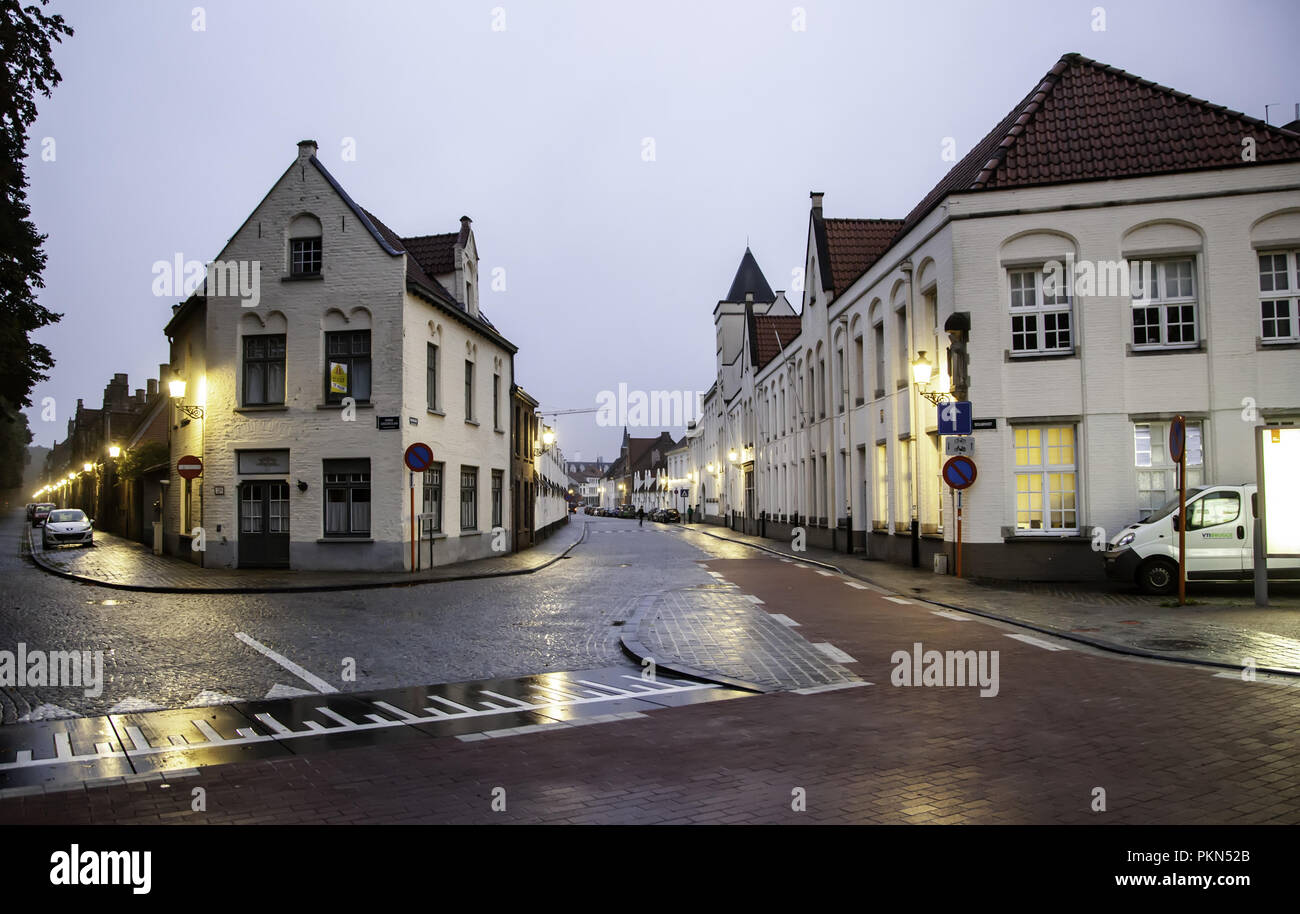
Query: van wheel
x=1158 y=576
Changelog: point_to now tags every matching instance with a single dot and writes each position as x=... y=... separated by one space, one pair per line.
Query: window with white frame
x=880 y=503
x=1157 y=475
x=1164 y=306
x=1279 y=297
x=1042 y=321
x=1046 y=480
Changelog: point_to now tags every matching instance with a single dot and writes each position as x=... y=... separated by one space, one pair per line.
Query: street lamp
x=114 y=451
x=732 y=456
x=922 y=371
x=88 y=467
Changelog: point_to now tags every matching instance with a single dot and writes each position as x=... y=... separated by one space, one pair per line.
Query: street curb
x=309 y=588
x=629 y=640
x=1109 y=646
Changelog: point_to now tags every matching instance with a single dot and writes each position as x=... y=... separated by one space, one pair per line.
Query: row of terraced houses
x=818 y=418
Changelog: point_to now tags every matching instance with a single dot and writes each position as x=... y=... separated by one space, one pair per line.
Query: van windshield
x=1171 y=506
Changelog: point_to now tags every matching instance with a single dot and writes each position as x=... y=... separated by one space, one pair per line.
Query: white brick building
x=360 y=344
x=1072 y=393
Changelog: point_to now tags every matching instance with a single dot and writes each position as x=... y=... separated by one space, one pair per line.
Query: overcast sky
x=165 y=139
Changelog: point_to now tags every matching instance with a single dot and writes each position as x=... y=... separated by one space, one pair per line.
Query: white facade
x=323 y=469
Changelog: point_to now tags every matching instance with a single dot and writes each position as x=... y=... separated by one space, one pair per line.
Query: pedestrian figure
x=640 y=516
x=690 y=514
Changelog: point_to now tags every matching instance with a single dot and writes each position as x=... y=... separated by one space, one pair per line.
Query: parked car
x=671 y=516
x=41 y=511
x=627 y=511
x=68 y=527
x=1219 y=540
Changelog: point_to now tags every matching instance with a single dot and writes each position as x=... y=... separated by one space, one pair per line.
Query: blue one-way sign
x=955 y=417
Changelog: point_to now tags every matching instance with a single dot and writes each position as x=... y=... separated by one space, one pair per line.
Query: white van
x=1219 y=539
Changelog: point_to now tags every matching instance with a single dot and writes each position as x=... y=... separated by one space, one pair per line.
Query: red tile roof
x=435 y=253
x=853 y=245
x=1087 y=121
x=772 y=333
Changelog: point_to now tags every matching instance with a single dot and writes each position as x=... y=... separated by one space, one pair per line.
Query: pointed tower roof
x=749 y=278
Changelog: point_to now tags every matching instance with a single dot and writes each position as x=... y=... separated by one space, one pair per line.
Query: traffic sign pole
x=959 y=533
x=418 y=458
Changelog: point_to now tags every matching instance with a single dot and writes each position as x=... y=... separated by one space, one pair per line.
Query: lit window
x=1046 y=482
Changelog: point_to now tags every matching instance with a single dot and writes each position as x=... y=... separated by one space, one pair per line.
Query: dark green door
x=264 y=525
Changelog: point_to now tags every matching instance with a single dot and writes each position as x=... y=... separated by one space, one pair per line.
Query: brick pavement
x=1168 y=744
x=1223 y=627
x=121 y=563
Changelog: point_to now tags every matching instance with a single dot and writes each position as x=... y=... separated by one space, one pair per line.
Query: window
x=821 y=390
x=1279 y=290
x=880 y=506
x=347 y=497
x=859 y=354
x=878 y=347
x=431 y=502
x=904 y=370
x=1214 y=509
x=1164 y=310
x=498 y=481
x=304 y=257
x=843 y=379
x=496 y=402
x=903 y=481
x=469 y=391
x=347 y=366
x=1040 y=314
x=1046 y=484
x=469 y=498
x=1157 y=475
x=263 y=370
x=431 y=376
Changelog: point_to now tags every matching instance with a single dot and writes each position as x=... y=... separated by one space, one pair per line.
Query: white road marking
x=831 y=687
x=212 y=697
x=308 y=677
x=824 y=573
x=784 y=620
x=833 y=652
x=1038 y=642
x=855 y=585
x=787 y=560
x=211 y=738
x=899 y=600
x=286 y=691
x=130 y=705
x=956 y=617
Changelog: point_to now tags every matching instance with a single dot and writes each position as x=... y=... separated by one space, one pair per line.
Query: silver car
x=68 y=527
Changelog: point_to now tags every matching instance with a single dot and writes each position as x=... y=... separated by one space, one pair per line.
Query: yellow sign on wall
x=338 y=378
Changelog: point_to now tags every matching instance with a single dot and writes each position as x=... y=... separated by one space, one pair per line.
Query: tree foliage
x=27 y=36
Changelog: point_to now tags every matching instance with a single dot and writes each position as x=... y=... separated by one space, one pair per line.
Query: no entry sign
x=959 y=472
x=419 y=457
x=1177 y=438
x=189 y=467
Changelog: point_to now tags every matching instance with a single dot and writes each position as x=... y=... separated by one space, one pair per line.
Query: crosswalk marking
x=833 y=652
x=1039 y=642
x=956 y=617
x=824 y=572
x=540 y=696
x=899 y=600
x=855 y=585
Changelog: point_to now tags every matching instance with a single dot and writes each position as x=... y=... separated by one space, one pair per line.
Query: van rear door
x=1218 y=547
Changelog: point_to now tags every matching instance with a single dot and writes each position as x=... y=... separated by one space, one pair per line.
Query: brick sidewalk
x=1224 y=627
x=125 y=564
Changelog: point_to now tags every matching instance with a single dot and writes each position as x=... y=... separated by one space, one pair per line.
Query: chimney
x=817 y=199
x=139 y=396
x=151 y=388
x=306 y=149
